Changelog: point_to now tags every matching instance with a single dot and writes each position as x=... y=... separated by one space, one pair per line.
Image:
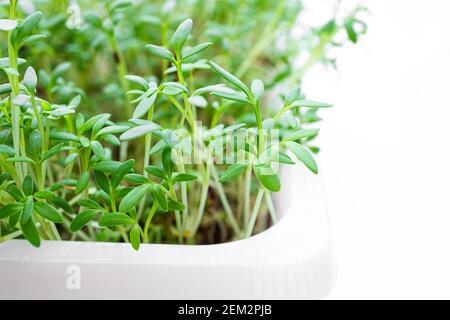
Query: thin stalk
x=255 y=212
x=146 y=161
x=178 y=221
x=122 y=70
x=14 y=81
x=226 y=205
x=23 y=149
x=271 y=207
x=248 y=186
x=148 y=221
x=201 y=206
x=164 y=30
x=261 y=142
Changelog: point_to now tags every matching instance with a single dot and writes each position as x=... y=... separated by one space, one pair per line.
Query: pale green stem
x=14 y=81
x=271 y=207
x=226 y=205
x=255 y=212
x=248 y=185
x=202 y=204
x=148 y=221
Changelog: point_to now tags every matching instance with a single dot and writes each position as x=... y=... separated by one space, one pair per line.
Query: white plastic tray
x=291 y=260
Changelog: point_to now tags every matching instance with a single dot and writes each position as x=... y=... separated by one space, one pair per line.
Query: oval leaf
x=48 y=212
x=303 y=155
x=115 y=219
x=139 y=131
x=132 y=198
x=82 y=219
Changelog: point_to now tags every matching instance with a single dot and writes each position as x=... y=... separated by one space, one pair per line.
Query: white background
x=386 y=152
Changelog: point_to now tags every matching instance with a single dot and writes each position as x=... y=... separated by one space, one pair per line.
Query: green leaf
x=234 y=171
x=112 y=130
x=231 y=96
x=14 y=219
x=160 y=52
x=138 y=80
x=27 y=185
x=144 y=106
x=30 y=232
x=89 y=124
x=352 y=35
x=30 y=79
x=139 y=131
x=167 y=160
x=132 y=198
x=70 y=158
x=111 y=139
x=160 y=197
x=191 y=52
x=89 y=203
x=98 y=150
x=85 y=142
x=48 y=212
x=44 y=194
x=160 y=145
x=83 y=182
x=27 y=210
x=107 y=166
x=10 y=210
x=307 y=133
x=311 y=104
x=209 y=89
x=303 y=155
x=181 y=35
x=61 y=112
x=156 y=172
x=198 y=101
x=21 y=159
x=115 y=219
x=30 y=22
x=82 y=219
x=60 y=69
x=267 y=177
x=175 y=205
x=5 y=88
x=118 y=175
x=79 y=121
x=13 y=72
x=75 y=102
x=231 y=79
x=4 y=149
x=51 y=152
x=184 y=177
x=257 y=88
x=64 y=136
x=15 y=192
x=136 y=178
x=176 y=88
x=135 y=237
x=60 y=202
x=35 y=144
x=102 y=181
x=120 y=5
x=285 y=159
